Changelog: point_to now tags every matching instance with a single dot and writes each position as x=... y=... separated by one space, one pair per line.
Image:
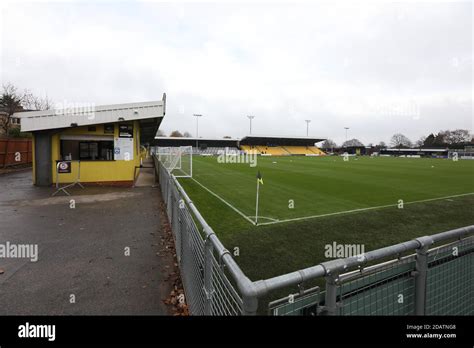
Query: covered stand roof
x=421 y=149
x=248 y=140
x=149 y=114
x=190 y=141
x=280 y=140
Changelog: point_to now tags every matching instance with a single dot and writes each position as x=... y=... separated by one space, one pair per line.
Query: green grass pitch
x=309 y=202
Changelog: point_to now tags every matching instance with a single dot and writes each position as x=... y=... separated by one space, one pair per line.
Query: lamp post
x=307 y=127
x=346 y=128
x=197 y=128
x=250 y=119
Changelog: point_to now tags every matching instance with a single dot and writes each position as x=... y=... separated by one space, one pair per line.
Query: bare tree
x=187 y=135
x=458 y=136
x=37 y=103
x=176 y=133
x=328 y=144
x=12 y=100
x=399 y=140
x=382 y=145
x=161 y=133
x=352 y=143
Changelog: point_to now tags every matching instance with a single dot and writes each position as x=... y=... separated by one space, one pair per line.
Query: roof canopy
x=187 y=141
x=149 y=114
x=248 y=140
x=279 y=140
x=194 y=138
x=416 y=149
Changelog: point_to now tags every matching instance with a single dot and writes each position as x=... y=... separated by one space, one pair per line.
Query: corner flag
x=259 y=178
x=259 y=181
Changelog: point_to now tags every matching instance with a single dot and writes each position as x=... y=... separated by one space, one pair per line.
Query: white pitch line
x=361 y=209
x=224 y=201
x=263 y=217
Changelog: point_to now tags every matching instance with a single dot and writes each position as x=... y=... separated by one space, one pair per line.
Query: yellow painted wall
x=97 y=171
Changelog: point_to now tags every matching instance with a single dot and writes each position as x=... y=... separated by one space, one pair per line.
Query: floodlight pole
x=250 y=119
x=346 y=128
x=197 y=128
x=307 y=127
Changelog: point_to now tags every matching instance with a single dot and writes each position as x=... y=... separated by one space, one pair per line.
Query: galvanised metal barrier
x=410 y=278
x=207 y=268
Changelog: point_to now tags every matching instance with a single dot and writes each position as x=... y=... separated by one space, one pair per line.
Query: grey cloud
x=360 y=65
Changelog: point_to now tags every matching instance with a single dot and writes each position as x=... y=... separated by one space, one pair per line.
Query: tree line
x=14 y=100
x=444 y=138
x=175 y=133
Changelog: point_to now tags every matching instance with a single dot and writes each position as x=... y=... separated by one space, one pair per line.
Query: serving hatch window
x=87 y=150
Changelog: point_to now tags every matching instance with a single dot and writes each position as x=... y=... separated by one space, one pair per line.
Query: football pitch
x=306 y=203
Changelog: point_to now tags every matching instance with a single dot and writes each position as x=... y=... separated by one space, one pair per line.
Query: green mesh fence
x=300 y=304
x=389 y=288
x=387 y=291
x=450 y=284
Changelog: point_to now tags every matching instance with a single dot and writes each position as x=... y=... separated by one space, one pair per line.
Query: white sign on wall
x=123 y=149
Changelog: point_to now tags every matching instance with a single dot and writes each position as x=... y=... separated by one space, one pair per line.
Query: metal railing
x=387 y=281
x=213 y=283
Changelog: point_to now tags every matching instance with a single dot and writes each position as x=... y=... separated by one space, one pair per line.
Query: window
x=88 y=150
x=94 y=150
x=109 y=128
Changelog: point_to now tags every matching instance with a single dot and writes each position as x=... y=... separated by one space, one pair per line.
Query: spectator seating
x=304 y=150
x=216 y=150
x=250 y=149
x=273 y=150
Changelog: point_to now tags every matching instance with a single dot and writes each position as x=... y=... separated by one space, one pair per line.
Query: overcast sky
x=378 y=68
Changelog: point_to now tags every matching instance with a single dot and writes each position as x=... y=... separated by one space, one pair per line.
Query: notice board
x=123 y=149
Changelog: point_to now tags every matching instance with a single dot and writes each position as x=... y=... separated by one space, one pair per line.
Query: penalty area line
x=225 y=202
x=362 y=209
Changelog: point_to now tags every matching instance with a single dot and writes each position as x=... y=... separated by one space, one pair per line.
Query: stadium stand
x=419 y=152
x=262 y=145
x=250 y=149
x=216 y=150
x=273 y=150
x=304 y=150
x=282 y=146
x=317 y=150
x=205 y=146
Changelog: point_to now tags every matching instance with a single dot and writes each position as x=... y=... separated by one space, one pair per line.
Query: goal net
x=177 y=160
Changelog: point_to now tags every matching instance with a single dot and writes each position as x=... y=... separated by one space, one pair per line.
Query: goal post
x=177 y=160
